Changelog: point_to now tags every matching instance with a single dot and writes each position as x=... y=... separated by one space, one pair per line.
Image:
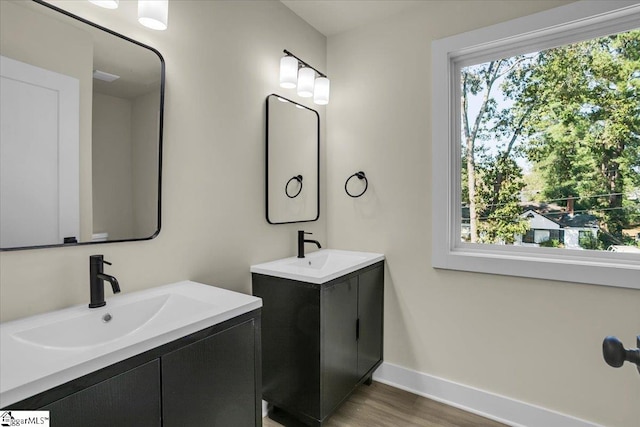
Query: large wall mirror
x=81 y=131
x=293 y=162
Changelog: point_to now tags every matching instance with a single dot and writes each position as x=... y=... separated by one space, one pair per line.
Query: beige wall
x=145 y=119
x=222 y=60
x=532 y=340
x=27 y=36
x=112 y=166
x=125 y=165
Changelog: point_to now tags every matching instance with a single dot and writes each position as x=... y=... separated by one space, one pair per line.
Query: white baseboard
x=265 y=410
x=493 y=406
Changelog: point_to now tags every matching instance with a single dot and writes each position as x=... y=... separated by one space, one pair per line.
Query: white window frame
x=559 y=26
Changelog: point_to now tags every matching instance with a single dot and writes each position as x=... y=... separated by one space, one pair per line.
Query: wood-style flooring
x=380 y=405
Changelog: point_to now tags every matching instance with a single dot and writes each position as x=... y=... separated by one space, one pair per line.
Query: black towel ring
x=359 y=175
x=286 y=187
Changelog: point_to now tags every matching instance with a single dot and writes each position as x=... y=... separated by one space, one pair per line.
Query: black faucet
x=302 y=241
x=97 y=278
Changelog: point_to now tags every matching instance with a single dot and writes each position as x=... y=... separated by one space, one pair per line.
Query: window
x=493 y=124
x=549 y=238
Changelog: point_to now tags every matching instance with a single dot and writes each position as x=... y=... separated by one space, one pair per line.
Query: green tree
x=585 y=127
x=500 y=220
x=491 y=179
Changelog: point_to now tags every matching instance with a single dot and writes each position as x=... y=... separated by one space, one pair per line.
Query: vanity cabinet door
x=130 y=399
x=370 y=311
x=290 y=344
x=339 y=346
x=212 y=382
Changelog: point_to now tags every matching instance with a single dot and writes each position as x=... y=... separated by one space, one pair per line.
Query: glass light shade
x=306 y=78
x=321 y=91
x=288 y=72
x=107 y=4
x=153 y=14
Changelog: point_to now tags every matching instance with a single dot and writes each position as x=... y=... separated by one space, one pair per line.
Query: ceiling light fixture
x=294 y=72
x=104 y=76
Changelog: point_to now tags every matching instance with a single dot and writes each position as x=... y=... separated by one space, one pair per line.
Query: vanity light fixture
x=288 y=72
x=306 y=80
x=107 y=4
x=294 y=72
x=153 y=14
x=321 y=91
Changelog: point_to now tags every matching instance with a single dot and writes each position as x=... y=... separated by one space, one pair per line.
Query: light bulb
x=306 y=77
x=321 y=91
x=107 y=4
x=153 y=14
x=288 y=72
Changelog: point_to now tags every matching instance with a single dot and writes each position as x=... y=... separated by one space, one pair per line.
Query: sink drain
x=107 y=318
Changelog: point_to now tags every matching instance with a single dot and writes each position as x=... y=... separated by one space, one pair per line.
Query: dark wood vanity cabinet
x=212 y=379
x=319 y=341
x=127 y=399
x=209 y=378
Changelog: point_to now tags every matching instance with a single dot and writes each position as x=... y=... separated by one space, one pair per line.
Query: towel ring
x=359 y=175
x=286 y=187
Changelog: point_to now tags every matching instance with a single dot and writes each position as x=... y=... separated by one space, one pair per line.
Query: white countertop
x=28 y=368
x=318 y=267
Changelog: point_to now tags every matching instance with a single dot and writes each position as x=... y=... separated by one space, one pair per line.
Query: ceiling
x=331 y=17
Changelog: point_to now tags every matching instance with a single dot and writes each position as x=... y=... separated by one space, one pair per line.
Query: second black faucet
x=302 y=241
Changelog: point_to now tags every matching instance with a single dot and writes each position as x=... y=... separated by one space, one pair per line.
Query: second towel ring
x=359 y=175
x=286 y=186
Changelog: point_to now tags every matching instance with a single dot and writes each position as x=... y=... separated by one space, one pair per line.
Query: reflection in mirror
x=293 y=162
x=81 y=131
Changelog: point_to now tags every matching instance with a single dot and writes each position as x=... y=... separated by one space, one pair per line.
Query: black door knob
x=615 y=354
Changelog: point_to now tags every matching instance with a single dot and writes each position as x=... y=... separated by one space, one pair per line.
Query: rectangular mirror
x=293 y=162
x=81 y=131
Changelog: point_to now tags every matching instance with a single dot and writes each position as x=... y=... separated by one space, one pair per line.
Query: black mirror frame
x=266 y=180
x=160 y=133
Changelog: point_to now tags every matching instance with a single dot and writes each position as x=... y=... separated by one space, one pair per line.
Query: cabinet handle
x=357 y=329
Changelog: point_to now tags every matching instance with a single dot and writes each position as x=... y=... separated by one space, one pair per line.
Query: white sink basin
x=318 y=267
x=41 y=352
x=99 y=327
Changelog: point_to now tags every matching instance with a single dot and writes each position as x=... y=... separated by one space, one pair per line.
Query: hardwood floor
x=380 y=405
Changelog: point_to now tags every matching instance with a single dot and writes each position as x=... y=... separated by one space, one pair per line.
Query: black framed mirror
x=292 y=162
x=81 y=131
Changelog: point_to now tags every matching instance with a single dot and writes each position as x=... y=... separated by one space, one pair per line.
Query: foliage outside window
x=536 y=146
x=558 y=129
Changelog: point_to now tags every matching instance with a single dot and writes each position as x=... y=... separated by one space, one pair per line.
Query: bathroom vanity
x=322 y=330
x=182 y=354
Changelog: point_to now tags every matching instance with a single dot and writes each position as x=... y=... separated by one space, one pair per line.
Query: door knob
x=615 y=354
